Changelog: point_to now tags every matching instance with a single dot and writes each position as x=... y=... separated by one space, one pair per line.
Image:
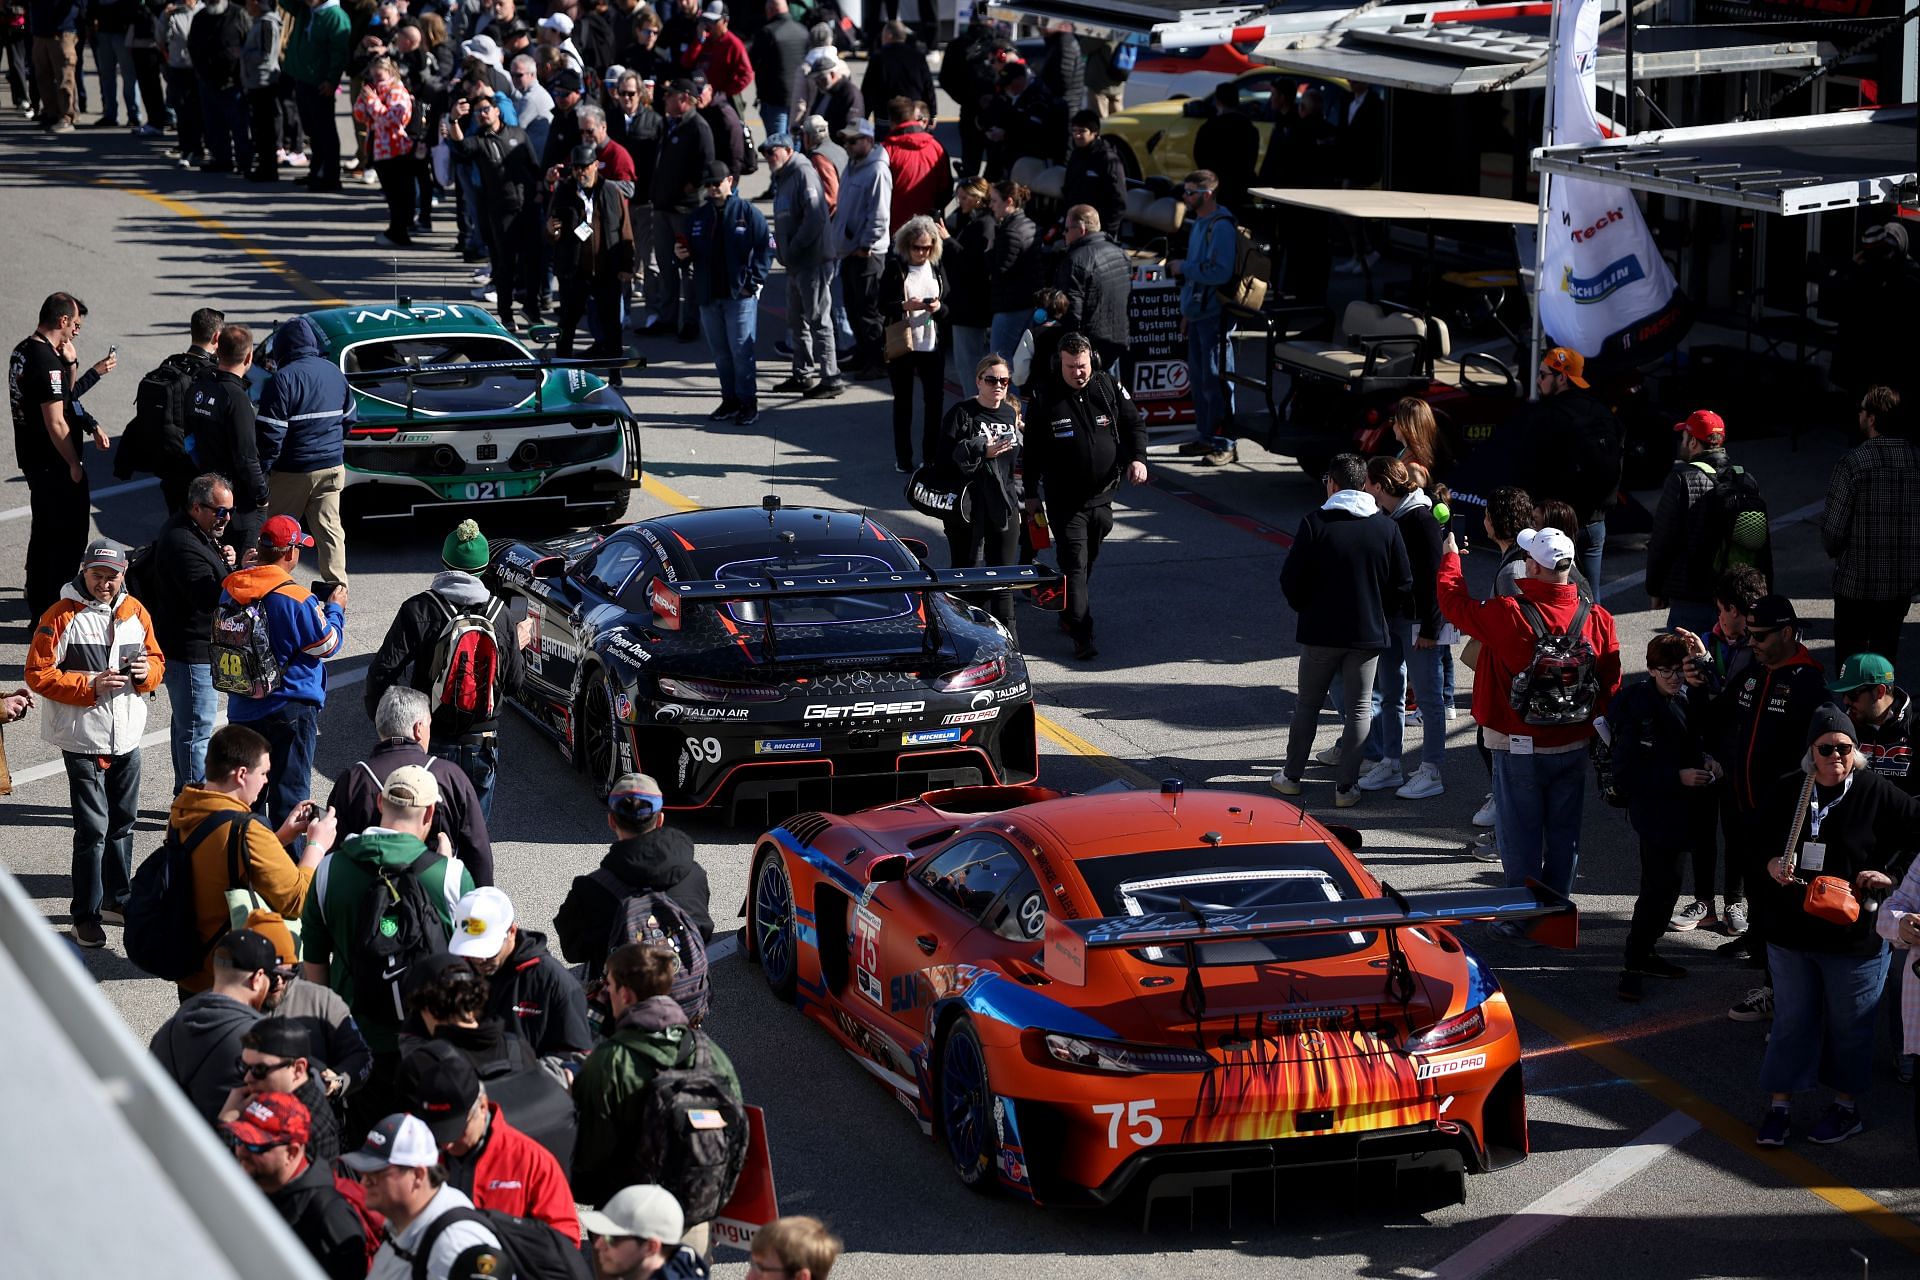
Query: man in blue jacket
x=302 y=422
x=731 y=248
x=1212 y=239
x=303 y=632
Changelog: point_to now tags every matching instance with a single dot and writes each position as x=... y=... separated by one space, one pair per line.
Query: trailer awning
x=1401 y=206
x=1808 y=164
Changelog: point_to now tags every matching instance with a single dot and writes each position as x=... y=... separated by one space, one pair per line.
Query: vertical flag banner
x=1601 y=270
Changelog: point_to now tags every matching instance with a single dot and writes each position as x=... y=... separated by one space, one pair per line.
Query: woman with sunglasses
x=913 y=288
x=1855 y=826
x=980 y=437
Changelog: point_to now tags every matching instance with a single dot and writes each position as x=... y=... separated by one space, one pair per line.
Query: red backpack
x=466 y=661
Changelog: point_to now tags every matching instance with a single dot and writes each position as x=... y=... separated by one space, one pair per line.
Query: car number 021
x=704 y=750
x=1143 y=1127
x=481 y=490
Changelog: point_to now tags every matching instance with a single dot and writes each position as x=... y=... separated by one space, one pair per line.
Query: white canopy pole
x=1540 y=226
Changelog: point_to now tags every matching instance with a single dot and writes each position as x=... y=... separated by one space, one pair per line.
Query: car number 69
x=704 y=750
x=1143 y=1127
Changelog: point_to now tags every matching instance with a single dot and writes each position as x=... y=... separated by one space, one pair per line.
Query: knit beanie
x=1828 y=718
x=465 y=548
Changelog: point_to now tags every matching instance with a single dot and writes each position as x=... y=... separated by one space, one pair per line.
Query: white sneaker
x=486 y=294
x=1283 y=784
x=1483 y=816
x=1452 y=711
x=1424 y=782
x=1330 y=757
x=1383 y=776
x=1346 y=799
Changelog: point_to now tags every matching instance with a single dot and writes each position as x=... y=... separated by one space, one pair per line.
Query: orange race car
x=1086 y=994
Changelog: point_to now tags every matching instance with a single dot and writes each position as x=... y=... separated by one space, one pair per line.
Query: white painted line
x=111 y=491
x=1566 y=1201
x=58 y=768
x=1796 y=516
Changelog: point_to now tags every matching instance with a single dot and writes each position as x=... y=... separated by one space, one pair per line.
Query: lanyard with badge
x=1813 y=854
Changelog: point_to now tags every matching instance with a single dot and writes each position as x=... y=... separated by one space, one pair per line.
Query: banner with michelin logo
x=1601 y=272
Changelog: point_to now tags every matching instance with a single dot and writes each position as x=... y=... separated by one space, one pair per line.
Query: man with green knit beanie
x=458 y=645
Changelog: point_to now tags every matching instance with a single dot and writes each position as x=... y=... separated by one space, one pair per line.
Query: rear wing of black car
x=1064 y=955
x=412 y=373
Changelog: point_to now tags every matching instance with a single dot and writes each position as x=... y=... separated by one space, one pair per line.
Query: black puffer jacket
x=181 y=588
x=660 y=861
x=1097 y=280
x=1654 y=737
x=969 y=247
x=1013 y=264
x=406 y=655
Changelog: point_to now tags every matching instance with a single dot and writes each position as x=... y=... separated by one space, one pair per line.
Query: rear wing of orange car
x=1068 y=941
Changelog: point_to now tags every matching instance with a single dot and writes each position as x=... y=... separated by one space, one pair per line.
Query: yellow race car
x=1155 y=139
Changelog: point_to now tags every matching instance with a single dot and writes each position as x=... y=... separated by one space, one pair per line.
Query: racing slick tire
x=966 y=1108
x=598 y=755
x=770 y=923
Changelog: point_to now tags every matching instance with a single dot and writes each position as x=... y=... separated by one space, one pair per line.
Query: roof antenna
x=394 y=265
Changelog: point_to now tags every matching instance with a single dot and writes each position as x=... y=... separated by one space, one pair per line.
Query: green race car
x=452 y=411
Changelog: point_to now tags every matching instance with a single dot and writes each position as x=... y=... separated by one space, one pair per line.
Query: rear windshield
x=1234 y=878
x=814 y=611
x=438 y=349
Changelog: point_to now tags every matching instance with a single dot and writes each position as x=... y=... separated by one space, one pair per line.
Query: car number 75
x=1143 y=1127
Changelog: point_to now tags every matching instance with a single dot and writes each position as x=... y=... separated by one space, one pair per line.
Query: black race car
x=800 y=658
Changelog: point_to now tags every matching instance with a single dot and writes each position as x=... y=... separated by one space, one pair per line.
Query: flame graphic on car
x=1270 y=1086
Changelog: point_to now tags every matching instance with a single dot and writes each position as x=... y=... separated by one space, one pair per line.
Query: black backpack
x=537 y=1251
x=750 y=161
x=1733 y=521
x=536 y=1104
x=1558 y=686
x=690 y=1132
x=159 y=403
x=163 y=925
x=399 y=926
x=653 y=917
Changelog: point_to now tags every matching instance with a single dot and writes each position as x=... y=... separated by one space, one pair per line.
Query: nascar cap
x=399 y=1139
x=636 y=798
x=645 y=1212
x=1860 y=671
x=480 y=923
x=272 y=1119
x=1704 y=425
x=411 y=786
x=1548 y=548
x=1568 y=361
x=282 y=532
x=104 y=553
x=438 y=1086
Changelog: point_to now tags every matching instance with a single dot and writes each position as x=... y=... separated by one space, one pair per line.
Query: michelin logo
x=1613 y=277
x=929 y=737
x=785 y=746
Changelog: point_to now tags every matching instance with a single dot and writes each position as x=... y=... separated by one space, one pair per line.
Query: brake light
x=357 y=432
x=665 y=602
x=716 y=690
x=1448 y=1032
x=980 y=673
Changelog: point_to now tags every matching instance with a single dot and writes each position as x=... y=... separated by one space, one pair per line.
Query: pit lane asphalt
x=1193 y=682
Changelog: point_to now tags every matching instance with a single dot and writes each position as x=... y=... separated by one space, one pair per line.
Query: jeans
x=1588 y=546
x=1537 y=801
x=1004 y=337
x=810 y=322
x=1318 y=665
x=195 y=705
x=480 y=761
x=1077 y=536
x=291 y=734
x=314 y=102
x=111 y=55
x=1401 y=663
x=842 y=327
x=969 y=347
x=1209 y=392
x=105 y=803
x=729 y=327
x=1822 y=1020
x=928 y=368
x=223 y=112
x=773 y=120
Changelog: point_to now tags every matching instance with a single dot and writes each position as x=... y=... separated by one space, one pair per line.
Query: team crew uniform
x=38 y=375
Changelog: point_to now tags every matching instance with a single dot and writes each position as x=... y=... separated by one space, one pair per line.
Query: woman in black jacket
x=913 y=288
x=1661 y=765
x=968 y=230
x=1827 y=977
x=1414 y=651
x=1013 y=266
x=979 y=437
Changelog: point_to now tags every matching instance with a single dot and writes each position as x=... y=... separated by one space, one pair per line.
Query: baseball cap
x=680 y=84
x=1704 y=425
x=717 y=171
x=829 y=63
x=411 y=786
x=815 y=126
x=272 y=1118
x=566 y=80
x=558 y=22
x=857 y=129
x=1861 y=670
x=645 y=1212
x=636 y=798
x=282 y=532
x=480 y=923
x=778 y=140
x=484 y=48
x=438 y=1087
x=399 y=1139
x=271 y=926
x=107 y=554
x=1548 y=548
x=1772 y=611
x=715 y=12
x=251 y=952
x=583 y=155
x=1568 y=361
x=1891 y=236
x=1011 y=71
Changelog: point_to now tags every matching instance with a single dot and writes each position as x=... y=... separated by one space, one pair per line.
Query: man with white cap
x=1539 y=748
x=556 y=32
x=636 y=1234
x=400 y=1168
x=533 y=994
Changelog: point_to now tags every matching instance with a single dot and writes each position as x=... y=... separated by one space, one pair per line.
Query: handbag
x=937 y=491
x=1828 y=898
x=897 y=342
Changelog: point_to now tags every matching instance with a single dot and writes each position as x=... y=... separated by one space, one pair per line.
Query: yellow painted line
x=1723 y=1124
x=295 y=279
x=1051 y=730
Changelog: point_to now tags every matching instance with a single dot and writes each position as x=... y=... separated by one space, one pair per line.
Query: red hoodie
x=1507 y=647
x=922 y=178
x=517 y=1175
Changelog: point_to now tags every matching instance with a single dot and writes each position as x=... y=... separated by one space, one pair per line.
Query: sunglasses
x=261 y=1070
x=922 y=248
x=1761 y=633
x=1831 y=749
x=219 y=513
x=252 y=1148
x=992 y=381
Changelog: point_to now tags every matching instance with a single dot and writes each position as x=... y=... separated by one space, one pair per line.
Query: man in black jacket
x=1229 y=146
x=724 y=123
x=403 y=725
x=775 y=54
x=1347 y=578
x=156 y=440
x=686 y=149
x=179 y=583
x=1687 y=539
x=636 y=126
x=967 y=76
x=214 y=42
x=1568 y=445
x=897 y=69
x=509 y=213
x=1882 y=715
x=221 y=434
x=1096 y=176
x=646 y=856
x=1097 y=279
x=532 y=993
x=1083 y=435
x=271 y=1138
x=1020 y=122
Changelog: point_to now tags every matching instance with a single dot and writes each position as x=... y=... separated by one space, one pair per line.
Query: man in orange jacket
x=94 y=660
x=1539 y=737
